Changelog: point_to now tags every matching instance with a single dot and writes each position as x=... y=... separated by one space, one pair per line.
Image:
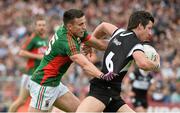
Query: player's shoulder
x=130 y=36
x=61 y=30
x=61 y=34
x=61 y=40
x=117 y=31
x=124 y=34
x=29 y=38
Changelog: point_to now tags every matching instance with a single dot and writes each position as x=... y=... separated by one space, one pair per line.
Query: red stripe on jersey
x=71 y=44
x=87 y=38
x=28 y=41
x=31 y=61
x=52 y=69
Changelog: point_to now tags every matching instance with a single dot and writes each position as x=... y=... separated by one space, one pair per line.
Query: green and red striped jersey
x=37 y=45
x=57 y=60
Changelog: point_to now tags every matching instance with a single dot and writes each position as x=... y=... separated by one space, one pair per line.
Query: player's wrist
x=101 y=76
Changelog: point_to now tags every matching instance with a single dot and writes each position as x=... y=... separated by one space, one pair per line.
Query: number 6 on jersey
x=109 y=62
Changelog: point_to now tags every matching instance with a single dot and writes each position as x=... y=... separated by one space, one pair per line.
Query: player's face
x=147 y=32
x=78 y=26
x=41 y=27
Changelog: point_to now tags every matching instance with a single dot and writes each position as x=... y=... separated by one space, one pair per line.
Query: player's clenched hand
x=108 y=76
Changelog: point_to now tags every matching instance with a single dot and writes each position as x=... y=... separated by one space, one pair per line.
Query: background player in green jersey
x=33 y=49
x=63 y=49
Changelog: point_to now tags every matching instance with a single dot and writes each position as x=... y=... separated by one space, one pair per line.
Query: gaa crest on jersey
x=79 y=40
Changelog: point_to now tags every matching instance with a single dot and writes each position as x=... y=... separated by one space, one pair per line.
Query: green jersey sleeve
x=86 y=37
x=71 y=49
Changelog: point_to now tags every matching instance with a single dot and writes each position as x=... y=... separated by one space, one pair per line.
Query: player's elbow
x=104 y=26
x=20 y=53
x=103 y=23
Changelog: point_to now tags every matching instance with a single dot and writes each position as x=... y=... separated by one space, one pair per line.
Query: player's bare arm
x=97 y=40
x=90 y=69
x=86 y=65
x=100 y=44
x=25 y=53
x=144 y=63
x=104 y=29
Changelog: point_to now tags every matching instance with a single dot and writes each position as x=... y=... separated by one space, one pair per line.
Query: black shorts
x=107 y=95
x=140 y=102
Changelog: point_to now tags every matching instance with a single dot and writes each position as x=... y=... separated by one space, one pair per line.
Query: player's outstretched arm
x=86 y=65
x=27 y=54
x=90 y=69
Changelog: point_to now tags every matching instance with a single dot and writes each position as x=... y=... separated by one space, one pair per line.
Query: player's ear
x=69 y=26
x=140 y=26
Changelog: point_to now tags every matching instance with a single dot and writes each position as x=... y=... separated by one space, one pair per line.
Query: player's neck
x=136 y=31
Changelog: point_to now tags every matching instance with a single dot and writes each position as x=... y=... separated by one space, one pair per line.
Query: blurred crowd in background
x=16 y=23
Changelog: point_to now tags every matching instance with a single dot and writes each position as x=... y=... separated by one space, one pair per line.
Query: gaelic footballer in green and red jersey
x=57 y=57
x=37 y=45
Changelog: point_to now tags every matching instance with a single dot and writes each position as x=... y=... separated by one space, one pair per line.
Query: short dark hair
x=71 y=15
x=139 y=17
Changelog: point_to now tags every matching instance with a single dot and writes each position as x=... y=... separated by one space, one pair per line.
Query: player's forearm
x=144 y=63
x=86 y=65
x=149 y=65
x=100 y=44
x=98 y=32
x=27 y=54
x=90 y=69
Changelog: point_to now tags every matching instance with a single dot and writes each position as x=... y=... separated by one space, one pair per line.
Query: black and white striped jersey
x=141 y=81
x=118 y=55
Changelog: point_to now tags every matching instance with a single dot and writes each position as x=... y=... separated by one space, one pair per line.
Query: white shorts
x=25 y=81
x=43 y=97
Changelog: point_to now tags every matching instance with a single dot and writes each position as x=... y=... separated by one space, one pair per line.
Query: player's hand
x=108 y=76
x=87 y=50
x=39 y=56
x=157 y=61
